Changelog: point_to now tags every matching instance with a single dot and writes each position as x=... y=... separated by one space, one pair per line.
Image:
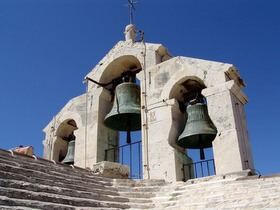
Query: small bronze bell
x=126 y=112
x=69 y=159
x=199 y=131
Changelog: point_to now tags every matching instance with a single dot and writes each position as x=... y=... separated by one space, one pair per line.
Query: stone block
x=111 y=170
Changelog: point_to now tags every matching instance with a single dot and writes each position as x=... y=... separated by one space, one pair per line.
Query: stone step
x=55 y=170
x=13 y=203
x=23 y=159
x=49 y=166
x=220 y=201
x=39 y=199
x=227 y=188
x=120 y=182
x=29 y=162
x=52 y=183
x=16 y=207
x=127 y=192
x=140 y=183
x=67 y=192
x=25 y=175
x=52 y=187
x=130 y=195
x=40 y=174
x=26 y=183
x=59 y=199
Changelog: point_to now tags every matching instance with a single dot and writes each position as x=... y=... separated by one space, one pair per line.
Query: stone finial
x=130 y=32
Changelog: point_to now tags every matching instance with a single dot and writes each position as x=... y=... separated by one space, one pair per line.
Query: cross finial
x=131 y=8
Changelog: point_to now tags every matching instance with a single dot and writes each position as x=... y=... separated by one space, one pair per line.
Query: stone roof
x=29 y=183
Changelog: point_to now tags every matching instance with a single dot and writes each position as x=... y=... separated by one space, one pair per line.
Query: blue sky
x=48 y=46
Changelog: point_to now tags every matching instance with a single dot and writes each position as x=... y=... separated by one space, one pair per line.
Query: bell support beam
x=231 y=148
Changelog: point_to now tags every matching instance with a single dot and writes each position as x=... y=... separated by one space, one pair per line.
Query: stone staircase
x=233 y=191
x=27 y=183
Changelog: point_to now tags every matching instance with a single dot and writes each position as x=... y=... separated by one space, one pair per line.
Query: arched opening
x=64 y=134
x=131 y=153
x=119 y=66
x=120 y=149
x=188 y=93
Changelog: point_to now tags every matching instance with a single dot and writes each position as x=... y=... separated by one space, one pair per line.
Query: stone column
x=99 y=138
x=165 y=158
x=231 y=148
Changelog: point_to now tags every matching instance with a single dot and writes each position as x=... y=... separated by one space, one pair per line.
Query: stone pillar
x=106 y=138
x=231 y=148
x=165 y=158
x=99 y=138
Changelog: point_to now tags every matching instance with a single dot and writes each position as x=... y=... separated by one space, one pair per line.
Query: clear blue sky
x=48 y=46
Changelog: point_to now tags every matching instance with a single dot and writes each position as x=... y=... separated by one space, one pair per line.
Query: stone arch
x=119 y=66
x=177 y=88
x=66 y=128
x=71 y=115
x=130 y=53
x=106 y=137
x=69 y=123
x=180 y=89
x=174 y=88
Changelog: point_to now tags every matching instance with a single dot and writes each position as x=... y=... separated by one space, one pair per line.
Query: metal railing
x=128 y=154
x=199 y=169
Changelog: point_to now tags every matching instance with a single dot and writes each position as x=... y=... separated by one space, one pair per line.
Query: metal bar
x=190 y=171
x=131 y=72
x=208 y=168
x=204 y=160
x=98 y=83
x=122 y=155
x=130 y=161
x=124 y=145
x=201 y=163
x=195 y=170
x=139 y=162
x=201 y=169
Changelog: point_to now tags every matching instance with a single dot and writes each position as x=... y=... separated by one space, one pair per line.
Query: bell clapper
x=128 y=137
x=201 y=150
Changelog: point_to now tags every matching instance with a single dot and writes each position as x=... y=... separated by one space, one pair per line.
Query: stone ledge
x=111 y=170
x=229 y=176
x=259 y=177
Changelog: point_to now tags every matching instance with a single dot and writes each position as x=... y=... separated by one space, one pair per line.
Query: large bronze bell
x=199 y=131
x=69 y=158
x=126 y=112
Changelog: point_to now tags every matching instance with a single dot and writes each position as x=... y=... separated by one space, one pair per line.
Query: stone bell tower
x=165 y=81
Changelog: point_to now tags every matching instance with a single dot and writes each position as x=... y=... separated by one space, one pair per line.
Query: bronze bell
x=126 y=112
x=199 y=131
x=69 y=159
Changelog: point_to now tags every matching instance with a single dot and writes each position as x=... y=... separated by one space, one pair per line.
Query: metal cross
x=131 y=8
